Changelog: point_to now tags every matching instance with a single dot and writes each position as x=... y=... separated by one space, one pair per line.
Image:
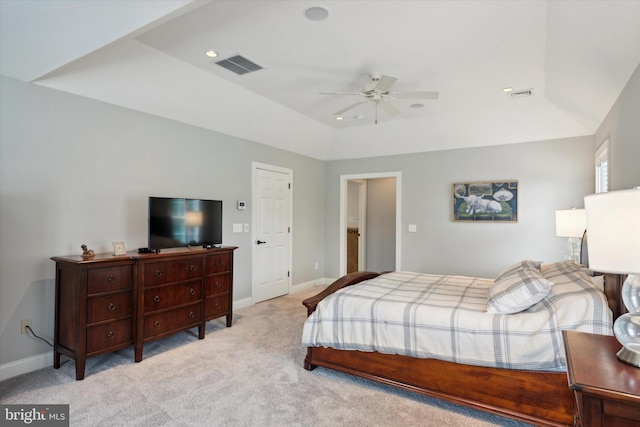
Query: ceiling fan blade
x=389 y=108
x=416 y=95
x=340 y=93
x=344 y=110
x=385 y=83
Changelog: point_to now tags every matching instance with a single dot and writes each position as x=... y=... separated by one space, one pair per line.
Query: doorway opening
x=358 y=227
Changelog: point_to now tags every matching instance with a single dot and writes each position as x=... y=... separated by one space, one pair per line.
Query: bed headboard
x=613 y=291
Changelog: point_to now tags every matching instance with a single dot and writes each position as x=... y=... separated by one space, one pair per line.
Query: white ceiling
x=148 y=55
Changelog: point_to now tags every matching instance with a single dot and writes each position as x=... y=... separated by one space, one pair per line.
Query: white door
x=271 y=232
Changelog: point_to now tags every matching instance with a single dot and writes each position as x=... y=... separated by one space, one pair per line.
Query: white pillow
x=517 y=290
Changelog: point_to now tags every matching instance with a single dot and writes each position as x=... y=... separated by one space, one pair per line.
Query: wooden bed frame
x=540 y=398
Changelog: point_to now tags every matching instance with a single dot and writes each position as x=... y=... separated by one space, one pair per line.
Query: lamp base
x=629 y=357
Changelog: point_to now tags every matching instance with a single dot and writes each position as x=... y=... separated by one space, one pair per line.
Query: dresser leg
x=137 y=350
x=229 y=320
x=80 y=367
x=56 y=360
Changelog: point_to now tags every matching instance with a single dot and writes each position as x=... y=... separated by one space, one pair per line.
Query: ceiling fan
x=377 y=90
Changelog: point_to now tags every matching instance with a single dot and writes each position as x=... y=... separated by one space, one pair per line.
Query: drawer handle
x=217 y=305
x=156 y=324
x=111 y=279
x=110 y=334
x=192 y=267
x=218 y=284
x=111 y=306
x=156 y=298
x=192 y=291
x=218 y=263
x=191 y=314
x=158 y=273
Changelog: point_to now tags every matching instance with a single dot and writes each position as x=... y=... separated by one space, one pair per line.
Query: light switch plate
x=237 y=228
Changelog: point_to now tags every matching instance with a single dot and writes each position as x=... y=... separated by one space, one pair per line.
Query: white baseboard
x=323 y=281
x=23 y=366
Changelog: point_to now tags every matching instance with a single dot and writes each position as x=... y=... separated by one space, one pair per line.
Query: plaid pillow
x=534 y=265
x=517 y=290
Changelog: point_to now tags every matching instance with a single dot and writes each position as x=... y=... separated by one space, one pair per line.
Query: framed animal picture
x=485 y=201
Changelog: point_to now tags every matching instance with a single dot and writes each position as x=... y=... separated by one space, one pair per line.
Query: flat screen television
x=179 y=222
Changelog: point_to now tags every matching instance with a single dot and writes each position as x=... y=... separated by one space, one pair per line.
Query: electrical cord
x=28 y=328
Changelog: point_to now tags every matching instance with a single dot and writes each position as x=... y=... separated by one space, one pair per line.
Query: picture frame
x=118 y=248
x=487 y=201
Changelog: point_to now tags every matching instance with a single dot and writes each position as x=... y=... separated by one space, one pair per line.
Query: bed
x=500 y=376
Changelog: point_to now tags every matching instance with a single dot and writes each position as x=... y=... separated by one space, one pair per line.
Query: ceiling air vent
x=239 y=65
x=521 y=93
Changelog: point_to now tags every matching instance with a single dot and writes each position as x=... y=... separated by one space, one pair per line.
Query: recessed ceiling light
x=507 y=89
x=316 y=13
x=211 y=53
x=416 y=105
x=339 y=117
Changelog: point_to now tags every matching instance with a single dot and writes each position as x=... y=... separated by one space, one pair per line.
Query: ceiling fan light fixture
x=211 y=53
x=316 y=13
x=507 y=89
x=339 y=118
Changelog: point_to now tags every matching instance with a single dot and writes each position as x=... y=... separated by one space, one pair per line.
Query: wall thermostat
x=242 y=204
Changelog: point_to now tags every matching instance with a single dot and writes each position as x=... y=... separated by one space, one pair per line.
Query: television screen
x=178 y=222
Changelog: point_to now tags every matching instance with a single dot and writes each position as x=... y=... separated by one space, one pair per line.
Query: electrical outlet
x=24 y=324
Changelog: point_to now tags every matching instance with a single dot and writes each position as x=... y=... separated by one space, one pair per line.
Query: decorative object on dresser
x=607 y=392
x=118 y=248
x=86 y=252
x=613 y=222
x=108 y=302
x=571 y=223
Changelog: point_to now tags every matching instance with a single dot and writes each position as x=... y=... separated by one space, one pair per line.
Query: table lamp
x=613 y=224
x=571 y=223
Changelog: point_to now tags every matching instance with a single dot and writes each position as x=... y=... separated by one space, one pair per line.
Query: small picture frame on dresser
x=118 y=248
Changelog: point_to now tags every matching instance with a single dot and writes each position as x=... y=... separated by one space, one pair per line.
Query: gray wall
x=381 y=224
x=74 y=171
x=552 y=175
x=622 y=127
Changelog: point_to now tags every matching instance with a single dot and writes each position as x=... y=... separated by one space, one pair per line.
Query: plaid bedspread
x=444 y=317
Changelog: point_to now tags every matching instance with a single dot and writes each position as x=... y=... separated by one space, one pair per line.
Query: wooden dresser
x=109 y=302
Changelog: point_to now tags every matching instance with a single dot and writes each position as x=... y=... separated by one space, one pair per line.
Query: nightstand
x=607 y=391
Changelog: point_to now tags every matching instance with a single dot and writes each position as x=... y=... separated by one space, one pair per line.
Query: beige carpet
x=248 y=375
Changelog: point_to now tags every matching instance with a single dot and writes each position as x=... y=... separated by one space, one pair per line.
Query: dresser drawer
x=216 y=263
x=217 y=284
x=216 y=306
x=109 y=307
x=172 y=295
x=109 y=279
x=168 y=321
x=114 y=334
x=157 y=273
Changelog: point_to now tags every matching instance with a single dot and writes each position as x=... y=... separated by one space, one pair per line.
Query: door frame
x=254 y=220
x=344 y=179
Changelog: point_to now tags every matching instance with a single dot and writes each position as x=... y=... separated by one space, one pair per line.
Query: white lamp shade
x=570 y=223
x=613 y=227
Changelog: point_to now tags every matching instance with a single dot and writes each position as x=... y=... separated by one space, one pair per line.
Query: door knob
x=259 y=242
